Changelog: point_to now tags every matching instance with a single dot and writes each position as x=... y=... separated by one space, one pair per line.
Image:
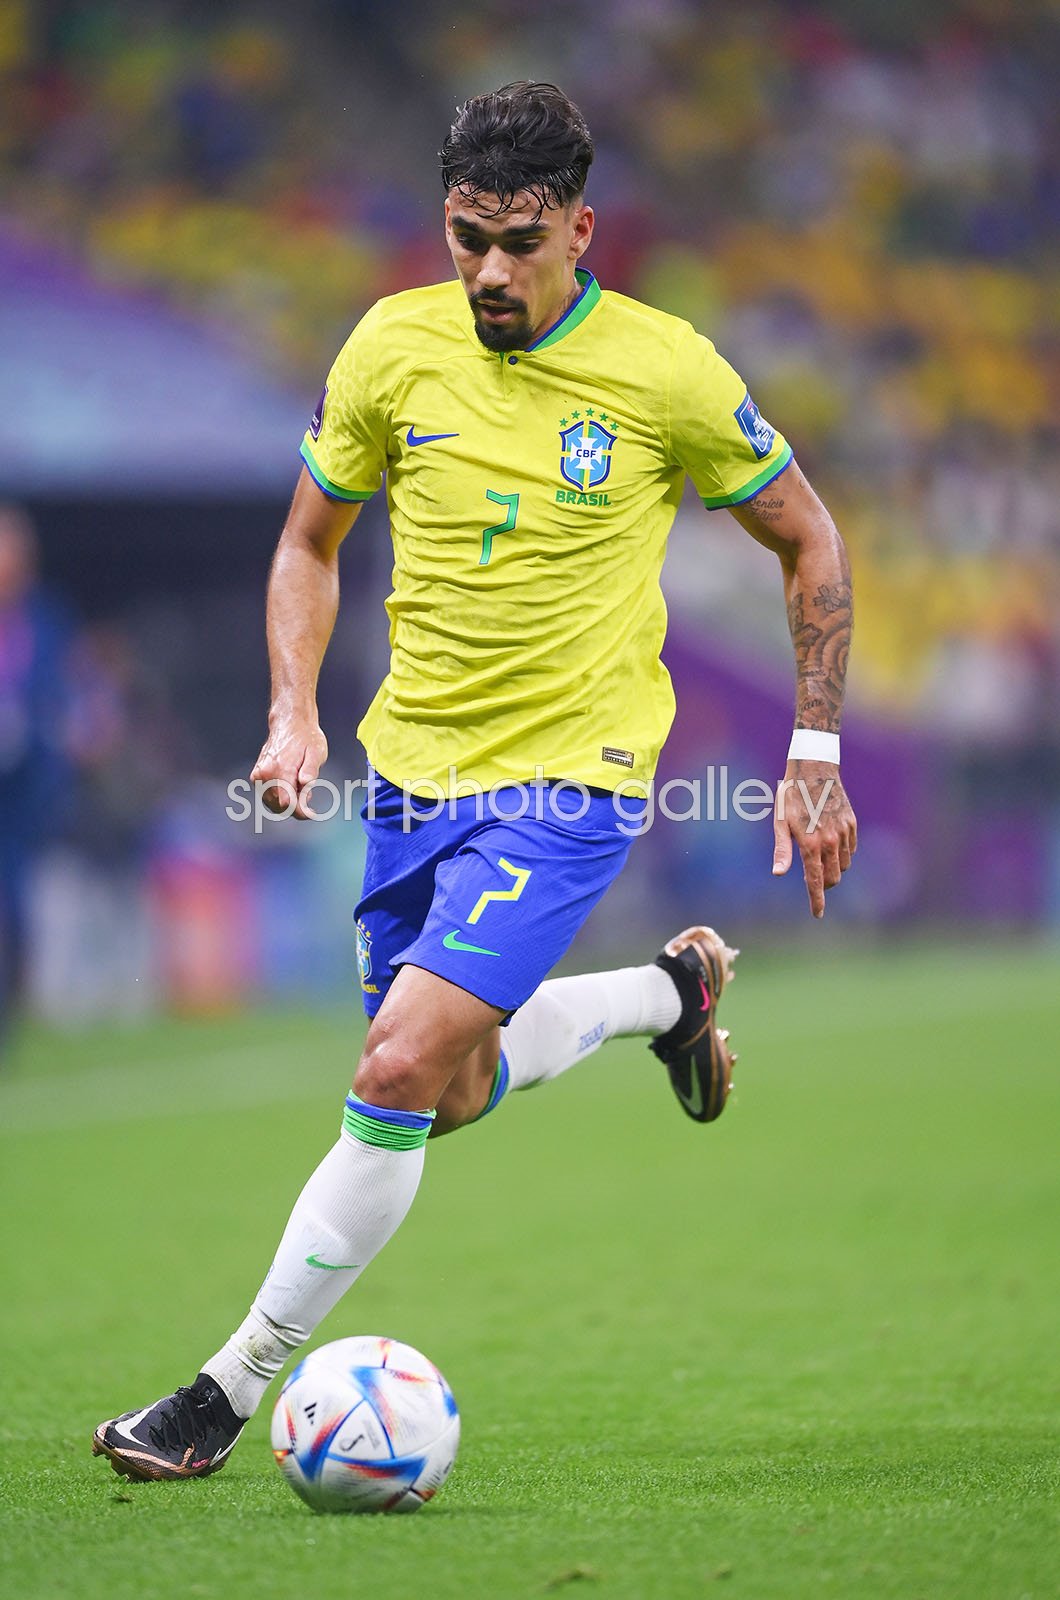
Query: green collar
x=575 y=313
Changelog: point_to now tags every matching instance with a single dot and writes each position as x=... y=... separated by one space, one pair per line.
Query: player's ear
x=583 y=221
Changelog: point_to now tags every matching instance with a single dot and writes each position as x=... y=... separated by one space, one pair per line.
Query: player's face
x=516 y=265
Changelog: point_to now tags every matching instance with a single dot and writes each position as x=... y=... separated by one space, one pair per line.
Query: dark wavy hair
x=523 y=137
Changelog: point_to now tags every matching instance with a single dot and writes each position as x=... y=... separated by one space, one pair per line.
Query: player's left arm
x=812 y=807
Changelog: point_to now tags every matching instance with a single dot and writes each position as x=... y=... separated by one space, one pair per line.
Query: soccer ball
x=365 y=1424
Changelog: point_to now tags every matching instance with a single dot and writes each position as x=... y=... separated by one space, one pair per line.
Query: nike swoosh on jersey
x=332 y=1266
x=453 y=941
x=415 y=438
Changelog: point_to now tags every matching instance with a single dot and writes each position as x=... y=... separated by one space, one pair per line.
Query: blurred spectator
x=131 y=759
x=129 y=747
x=34 y=689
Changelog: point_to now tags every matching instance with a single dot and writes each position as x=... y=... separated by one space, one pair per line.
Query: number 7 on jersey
x=512 y=502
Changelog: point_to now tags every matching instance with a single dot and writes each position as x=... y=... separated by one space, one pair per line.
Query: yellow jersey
x=530 y=496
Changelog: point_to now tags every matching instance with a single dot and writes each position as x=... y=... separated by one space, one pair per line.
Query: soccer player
x=535 y=431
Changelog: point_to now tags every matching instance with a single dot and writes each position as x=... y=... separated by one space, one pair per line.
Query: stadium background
x=855 y=200
x=808 y=1353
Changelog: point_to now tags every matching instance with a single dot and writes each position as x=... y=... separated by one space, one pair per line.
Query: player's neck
x=558 y=312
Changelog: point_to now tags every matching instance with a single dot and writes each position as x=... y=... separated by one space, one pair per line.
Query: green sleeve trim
x=766 y=476
x=334 y=490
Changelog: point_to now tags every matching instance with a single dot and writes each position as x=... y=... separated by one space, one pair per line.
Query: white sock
x=566 y=1019
x=354 y=1201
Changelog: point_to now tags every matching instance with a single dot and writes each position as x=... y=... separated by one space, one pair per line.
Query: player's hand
x=290 y=761
x=812 y=809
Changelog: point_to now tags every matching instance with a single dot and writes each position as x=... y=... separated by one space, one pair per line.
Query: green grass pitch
x=810 y=1351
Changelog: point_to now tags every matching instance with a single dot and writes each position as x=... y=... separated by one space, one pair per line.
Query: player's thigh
x=509 y=902
x=401 y=858
x=426 y=1031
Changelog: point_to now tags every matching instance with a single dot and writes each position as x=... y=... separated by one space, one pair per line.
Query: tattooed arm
x=789 y=519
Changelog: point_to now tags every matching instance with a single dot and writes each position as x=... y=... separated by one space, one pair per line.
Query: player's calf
x=476 y=1087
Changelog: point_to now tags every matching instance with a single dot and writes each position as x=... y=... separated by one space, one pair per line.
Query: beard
x=512 y=334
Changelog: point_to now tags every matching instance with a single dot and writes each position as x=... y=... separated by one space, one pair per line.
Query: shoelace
x=184 y=1421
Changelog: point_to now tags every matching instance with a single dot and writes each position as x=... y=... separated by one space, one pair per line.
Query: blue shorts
x=477 y=894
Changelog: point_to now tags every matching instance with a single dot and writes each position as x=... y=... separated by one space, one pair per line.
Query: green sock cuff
x=384 y=1128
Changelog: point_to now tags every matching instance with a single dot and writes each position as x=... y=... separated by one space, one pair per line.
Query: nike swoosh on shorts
x=453 y=941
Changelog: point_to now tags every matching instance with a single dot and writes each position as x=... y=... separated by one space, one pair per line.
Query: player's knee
x=392 y=1074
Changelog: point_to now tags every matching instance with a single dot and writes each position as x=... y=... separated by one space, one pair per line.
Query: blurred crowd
x=857 y=199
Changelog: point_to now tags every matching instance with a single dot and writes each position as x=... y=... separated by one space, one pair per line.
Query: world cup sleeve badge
x=755 y=429
x=317 y=420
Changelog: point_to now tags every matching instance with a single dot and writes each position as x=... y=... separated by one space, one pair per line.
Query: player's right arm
x=303 y=601
x=345 y=456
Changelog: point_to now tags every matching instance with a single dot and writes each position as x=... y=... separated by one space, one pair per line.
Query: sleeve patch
x=756 y=431
x=316 y=422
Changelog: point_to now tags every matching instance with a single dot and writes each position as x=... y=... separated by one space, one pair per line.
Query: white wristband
x=810 y=744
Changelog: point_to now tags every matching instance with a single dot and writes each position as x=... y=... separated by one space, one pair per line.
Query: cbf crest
x=364 y=957
x=585 y=454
